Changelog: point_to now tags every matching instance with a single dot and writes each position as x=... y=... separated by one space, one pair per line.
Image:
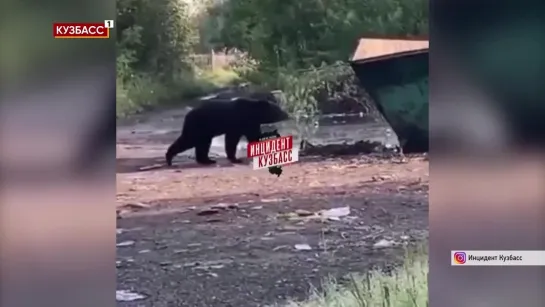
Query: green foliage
x=300 y=33
x=405 y=287
x=301 y=46
x=154 y=41
x=296 y=46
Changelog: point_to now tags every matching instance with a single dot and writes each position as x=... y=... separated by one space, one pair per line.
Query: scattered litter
x=303 y=247
x=119 y=231
x=384 y=244
x=118 y=263
x=144 y=251
x=405 y=238
x=125 y=243
x=335 y=213
x=280 y=247
x=208 y=265
x=128 y=296
x=257 y=207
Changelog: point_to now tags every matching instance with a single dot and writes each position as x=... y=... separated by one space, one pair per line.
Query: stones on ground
x=119 y=231
x=303 y=247
x=125 y=243
x=128 y=296
x=257 y=207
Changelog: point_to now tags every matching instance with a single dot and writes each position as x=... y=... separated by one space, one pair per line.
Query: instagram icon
x=459 y=258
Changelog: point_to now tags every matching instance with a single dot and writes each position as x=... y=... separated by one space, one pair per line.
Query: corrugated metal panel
x=369 y=48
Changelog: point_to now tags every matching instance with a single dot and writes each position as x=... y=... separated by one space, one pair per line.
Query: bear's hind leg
x=181 y=144
x=231 y=142
x=201 y=151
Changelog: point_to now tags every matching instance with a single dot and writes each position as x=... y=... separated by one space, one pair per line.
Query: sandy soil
x=226 y=235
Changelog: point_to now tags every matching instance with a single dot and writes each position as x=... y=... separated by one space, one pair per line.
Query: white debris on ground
x=303 y=247
x=384 y=243
x=335 y=213
x=128 y=296
x=125 y=243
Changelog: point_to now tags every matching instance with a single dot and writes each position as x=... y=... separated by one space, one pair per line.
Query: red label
x=80 y=30
x=270 y=146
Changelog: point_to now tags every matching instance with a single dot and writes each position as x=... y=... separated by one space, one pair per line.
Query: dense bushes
x=298 y=46
x=155 y=39
x=301 y=46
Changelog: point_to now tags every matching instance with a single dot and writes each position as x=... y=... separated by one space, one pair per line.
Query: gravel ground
x=230 y=236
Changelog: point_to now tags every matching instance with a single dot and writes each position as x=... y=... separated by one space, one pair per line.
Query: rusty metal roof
x=374 y=48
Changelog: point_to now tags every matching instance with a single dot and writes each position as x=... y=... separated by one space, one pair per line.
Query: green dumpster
x=398 y=84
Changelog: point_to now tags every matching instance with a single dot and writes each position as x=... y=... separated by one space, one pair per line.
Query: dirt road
x=229 y=236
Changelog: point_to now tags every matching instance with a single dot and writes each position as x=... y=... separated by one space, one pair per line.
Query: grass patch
x=405 y=287
x=141 y=92
x=219 y=77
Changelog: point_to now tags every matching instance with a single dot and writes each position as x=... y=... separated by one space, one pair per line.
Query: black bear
x=235 y=118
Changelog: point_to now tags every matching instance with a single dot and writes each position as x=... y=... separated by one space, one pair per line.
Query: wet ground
x=229 y=236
